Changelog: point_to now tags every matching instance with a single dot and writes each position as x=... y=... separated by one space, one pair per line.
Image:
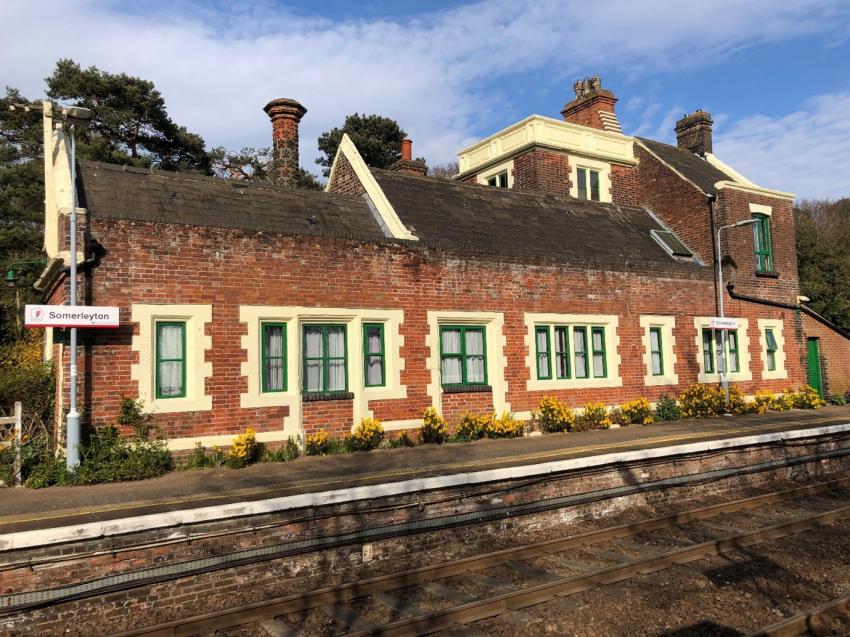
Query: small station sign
x=70 y=316
x=725 y=323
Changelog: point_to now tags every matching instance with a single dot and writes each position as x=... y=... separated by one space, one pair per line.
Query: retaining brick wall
x=835 y=356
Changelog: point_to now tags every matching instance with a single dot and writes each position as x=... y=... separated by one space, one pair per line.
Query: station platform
x=183 y=497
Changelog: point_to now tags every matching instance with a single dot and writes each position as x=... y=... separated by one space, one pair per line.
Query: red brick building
x=584 y=271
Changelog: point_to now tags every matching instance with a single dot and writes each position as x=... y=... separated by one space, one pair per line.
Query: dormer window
x=499 y=180
x=588 y=184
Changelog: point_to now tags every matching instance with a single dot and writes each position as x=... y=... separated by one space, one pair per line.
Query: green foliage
x=109 y=457
x=618 y=417
x=702 y=401
x=837 y=399
x=402 y=440
x=593 y=416
x=367 y=435
x=638 y=411
x=50 y=471
x=254 y=164
x=807 y=398
x=26 y=378
x=200 y=459
x=133 y=415
x=667 y=409
x=737 y=402
x=286 y=453
x=823 y=234
x=553 y=416
x=378 y=140
x=434 y=428
x=321 y=444
x=783 y=401
x=130 y=123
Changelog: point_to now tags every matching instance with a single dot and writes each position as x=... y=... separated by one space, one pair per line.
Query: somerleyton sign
x=70 y=316
x=717 y=323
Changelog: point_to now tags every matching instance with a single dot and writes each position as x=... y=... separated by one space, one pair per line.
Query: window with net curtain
x=463 y=360
x=325 y=359
x=714 y=358
x=170 y=359
x=274 y=357
x=373 y=354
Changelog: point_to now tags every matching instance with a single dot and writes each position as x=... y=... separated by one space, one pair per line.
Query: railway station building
x=566 y=258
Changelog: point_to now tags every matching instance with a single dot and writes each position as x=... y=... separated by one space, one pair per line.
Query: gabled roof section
x=110 y=191
x=384 y=210
x=501 y=221
x=700 y=172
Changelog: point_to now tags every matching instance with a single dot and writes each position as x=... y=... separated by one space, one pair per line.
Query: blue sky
x=774 y=75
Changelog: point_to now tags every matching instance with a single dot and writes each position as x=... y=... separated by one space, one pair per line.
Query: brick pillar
x=593 y=106
x=694 y=132
x=285 y=114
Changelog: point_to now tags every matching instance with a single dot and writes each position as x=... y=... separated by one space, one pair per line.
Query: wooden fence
x=14 y=440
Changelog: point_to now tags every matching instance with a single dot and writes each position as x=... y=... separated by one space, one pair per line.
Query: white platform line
x=90 y=530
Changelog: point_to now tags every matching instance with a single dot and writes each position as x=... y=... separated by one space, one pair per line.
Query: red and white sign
x=70 y=316
x=717 y=323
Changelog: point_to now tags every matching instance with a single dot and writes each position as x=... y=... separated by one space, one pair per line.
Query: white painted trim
x=726 y=168
x=610 y=322
x=604 y=170
x=745 y=374
x=668 y=349
x=761 y=210
x=494 y=323
x=44 y=537
x=778 y=331
x=197 y=368
x=508 y=166
x=755 y=190
x=391 y=220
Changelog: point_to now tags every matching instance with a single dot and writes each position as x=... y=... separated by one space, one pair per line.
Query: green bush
x=321 y=444
x=838 y=399
x=667 y=409
x=108 y=457
x=133 y=415
x=286 y=453
x=200 y=459
x=593 y=416
x=47 y=473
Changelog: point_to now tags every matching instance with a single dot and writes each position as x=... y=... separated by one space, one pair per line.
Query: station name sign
x=725 y=323
x=70 y=316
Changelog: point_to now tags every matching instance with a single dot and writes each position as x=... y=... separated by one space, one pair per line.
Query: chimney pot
x=407 y=164
x=406 y=149
x=285 y=115
x=694 y=132
x=593 y=106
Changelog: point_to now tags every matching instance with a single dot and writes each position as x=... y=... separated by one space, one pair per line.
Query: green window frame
x=588 y=183
x=656 y=352
x=712 y=341
x=324 y=360
x=374 y=358
x=597 y=349
x=772 y=348
x=462 y=356
x=544 y=353
x=762 y=248
x=498 y=181
x=708 y=350
x=161 y=360
x=732 y=343
x=270 y=359
x=562 y=352
x=581 y=366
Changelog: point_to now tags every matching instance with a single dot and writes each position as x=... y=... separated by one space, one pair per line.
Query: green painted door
x=814 y=366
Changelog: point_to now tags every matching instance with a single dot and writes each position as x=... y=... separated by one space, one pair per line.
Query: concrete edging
x=105 y=528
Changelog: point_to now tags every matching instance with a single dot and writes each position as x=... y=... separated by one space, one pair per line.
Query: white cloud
x=802 y=152
x=448 y=77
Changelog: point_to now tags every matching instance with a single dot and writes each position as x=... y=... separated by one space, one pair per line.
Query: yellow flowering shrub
x=367 y=435
x=702 y=401
x=783 y=401
x=763 y=400
x=472 y=426
x=553 y=415
x=638 y=411
x=737 y=402
x=243 y=449
x=807 y=398
x=434 y=428
x=319 y=444
x=594 y=416
x=504 y=426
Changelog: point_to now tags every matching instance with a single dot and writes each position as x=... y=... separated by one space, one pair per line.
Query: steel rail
x=814 y=618
x=499 y=604
x=333 y=594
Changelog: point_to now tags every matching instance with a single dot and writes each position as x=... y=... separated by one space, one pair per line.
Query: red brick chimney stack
x=285 y=114
x=407 y=164
x=593 y=106
x=694 y=134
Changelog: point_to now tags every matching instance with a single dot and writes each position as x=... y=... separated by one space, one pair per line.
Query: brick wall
x=834 y=354
x=174 y=264
x=624 y=185
x=334 y=416
x=344 y=180
x=456 y=404
x=540 y=170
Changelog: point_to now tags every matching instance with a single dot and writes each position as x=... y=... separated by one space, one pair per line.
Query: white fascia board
x=755 y=190
x=390 y=218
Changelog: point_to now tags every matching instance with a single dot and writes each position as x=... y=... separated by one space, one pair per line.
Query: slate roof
x=693 y=167
x=119 y=192
x=502 y=221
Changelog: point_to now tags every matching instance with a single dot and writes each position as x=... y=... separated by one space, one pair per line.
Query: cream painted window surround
x=609 y=322
x=666 y=325
x=745 y=373
x=777 y=326
x=197 y=368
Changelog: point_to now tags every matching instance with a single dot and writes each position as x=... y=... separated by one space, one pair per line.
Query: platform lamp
x=72 y=117
x=724 y=378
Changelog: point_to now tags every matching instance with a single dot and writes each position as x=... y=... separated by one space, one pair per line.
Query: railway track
x=432 y=598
